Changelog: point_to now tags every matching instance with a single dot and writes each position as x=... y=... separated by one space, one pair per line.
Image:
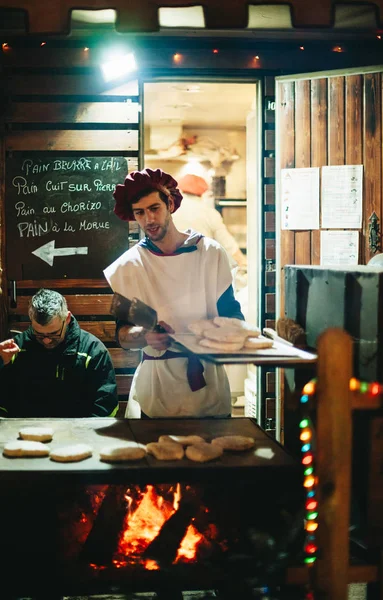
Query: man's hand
x=8 y=348
x=159 y=341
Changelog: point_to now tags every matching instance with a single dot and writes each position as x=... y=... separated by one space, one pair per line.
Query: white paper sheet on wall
x=339 y=248
x=342 y=189
x=300 y=198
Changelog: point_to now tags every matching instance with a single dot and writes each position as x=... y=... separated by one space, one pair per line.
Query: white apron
x=181 y=288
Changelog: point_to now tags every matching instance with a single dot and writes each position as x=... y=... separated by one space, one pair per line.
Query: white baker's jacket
x=182 y=288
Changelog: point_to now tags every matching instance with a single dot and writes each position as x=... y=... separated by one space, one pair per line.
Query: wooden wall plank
x=354 y=132
x=286 y=143
x=65 y=85
x=354 y=119
x=270 y=382
x=269 y=166
x=48 y=56
x=372 y=154
x=270 y=278
x=336 y=121
x=124 y=383
x=104 y=330
x=270 y=222
x=269 y=140
x=102 y=140
x=302 y=159
x=123 y=359
x=87 y=304
x=269 y=193
x=318 y=145
x=270 y=303
x=270 y=249
x=269 y=85
x=61 y=283
x=72 y=112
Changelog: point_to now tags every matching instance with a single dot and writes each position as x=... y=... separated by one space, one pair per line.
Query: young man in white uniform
x=184 y=277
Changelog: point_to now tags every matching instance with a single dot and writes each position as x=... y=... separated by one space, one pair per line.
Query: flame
x=144 y=524
x=189 y=544
x=148 y=509
x=145 y=517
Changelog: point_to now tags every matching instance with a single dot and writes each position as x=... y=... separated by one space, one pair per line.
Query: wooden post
x=334 y=441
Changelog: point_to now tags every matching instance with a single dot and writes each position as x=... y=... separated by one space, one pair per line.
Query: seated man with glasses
x=55 y=369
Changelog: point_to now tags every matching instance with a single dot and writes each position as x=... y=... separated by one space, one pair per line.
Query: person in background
x=195 y=214
x=55 y=369
x=184 y=277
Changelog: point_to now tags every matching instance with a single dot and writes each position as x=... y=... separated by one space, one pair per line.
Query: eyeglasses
x=55 y=335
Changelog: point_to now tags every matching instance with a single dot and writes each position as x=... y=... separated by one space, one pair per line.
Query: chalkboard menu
x=59 y=216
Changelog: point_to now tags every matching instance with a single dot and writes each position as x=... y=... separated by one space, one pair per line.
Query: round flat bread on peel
x=226 y=334
x=119 y=453
x=257 y=343
x=222 y=346
x=235 y=443
x=184 y=440
x=73 y=453
x=203 y=452
x=198 y=327
x=250 y=329
x=21 y=448
x=36 y=434
x=166 y=450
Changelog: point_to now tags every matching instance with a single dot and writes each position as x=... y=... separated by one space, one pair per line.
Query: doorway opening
x=210 y=129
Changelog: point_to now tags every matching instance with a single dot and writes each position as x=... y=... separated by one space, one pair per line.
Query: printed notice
x=339 y=248
x=342 y=188
x=300 y=198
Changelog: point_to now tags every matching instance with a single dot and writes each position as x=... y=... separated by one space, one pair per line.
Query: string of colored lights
x=310 y=479
x=308 y=461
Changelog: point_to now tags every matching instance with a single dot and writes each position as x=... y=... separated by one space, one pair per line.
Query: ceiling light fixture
x=119 y=64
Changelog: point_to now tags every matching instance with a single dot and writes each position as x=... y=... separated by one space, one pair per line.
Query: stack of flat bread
x=228 y=335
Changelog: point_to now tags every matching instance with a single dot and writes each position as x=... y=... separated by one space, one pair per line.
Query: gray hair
x=45 y=305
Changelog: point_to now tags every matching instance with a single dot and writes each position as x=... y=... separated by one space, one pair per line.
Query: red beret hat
x=193 y=184
x=138 y=181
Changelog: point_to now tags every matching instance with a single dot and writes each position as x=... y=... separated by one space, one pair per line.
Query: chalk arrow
x=48 y=252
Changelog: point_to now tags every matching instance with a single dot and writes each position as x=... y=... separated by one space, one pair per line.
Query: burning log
x=163 y=549
x=102 y=541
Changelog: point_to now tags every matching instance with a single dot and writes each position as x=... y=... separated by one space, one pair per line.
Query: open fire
x=162 y=525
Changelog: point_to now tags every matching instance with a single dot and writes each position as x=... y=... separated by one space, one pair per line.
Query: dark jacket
x=75 y=379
